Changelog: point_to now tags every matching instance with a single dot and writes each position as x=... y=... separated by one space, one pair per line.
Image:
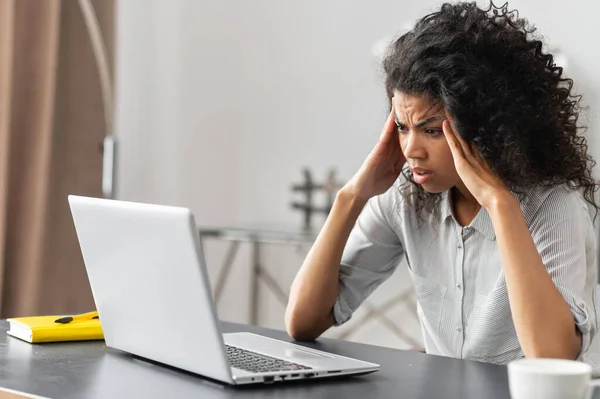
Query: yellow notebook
x=45 y=329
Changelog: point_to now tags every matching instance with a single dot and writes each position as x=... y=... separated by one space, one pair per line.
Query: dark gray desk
x=90 y=370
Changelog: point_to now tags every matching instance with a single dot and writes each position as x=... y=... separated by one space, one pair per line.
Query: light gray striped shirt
x=463 y=304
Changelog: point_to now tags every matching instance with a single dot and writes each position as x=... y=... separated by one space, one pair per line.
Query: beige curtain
x=51 y=126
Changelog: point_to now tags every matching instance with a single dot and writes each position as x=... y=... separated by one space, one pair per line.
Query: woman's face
x=419 y=126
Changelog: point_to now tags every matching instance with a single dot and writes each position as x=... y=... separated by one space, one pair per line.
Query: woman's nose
x=413 y=146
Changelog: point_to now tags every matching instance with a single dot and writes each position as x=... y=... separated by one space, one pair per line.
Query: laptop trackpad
x=300 y=354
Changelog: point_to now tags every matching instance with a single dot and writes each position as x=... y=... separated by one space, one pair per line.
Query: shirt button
x=459 y=246
x=582 y=305
x=459 y=329
x=458 y=286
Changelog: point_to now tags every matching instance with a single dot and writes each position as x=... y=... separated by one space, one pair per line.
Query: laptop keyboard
x=258 y=363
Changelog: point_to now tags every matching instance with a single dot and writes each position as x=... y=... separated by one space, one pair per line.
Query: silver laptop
x=150 y=285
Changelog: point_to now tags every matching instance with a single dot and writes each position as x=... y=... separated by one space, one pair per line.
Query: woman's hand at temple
x=381 y=168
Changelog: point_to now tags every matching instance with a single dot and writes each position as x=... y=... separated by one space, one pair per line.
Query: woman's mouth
x=421 y=175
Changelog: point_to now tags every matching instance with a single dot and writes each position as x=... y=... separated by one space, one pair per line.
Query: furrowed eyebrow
x=419 y=124
x=428 y=121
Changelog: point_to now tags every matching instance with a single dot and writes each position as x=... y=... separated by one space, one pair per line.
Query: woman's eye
x=401 y=128
x=433 y=132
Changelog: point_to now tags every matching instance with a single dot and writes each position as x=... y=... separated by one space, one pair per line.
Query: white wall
x=221 y=104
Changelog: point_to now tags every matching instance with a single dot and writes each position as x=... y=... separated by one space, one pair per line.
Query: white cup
x=550 y=379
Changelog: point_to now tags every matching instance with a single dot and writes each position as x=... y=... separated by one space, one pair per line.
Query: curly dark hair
x=505 y=93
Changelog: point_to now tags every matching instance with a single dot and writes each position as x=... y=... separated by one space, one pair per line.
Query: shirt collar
x=482 y=222
x=445 y=205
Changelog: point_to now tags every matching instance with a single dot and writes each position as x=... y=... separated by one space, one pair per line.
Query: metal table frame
x=259 y=236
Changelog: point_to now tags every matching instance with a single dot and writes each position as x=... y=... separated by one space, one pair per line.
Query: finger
x=465 y=169
x=477 y=154
x=455 y=147
x=472 y=153
x=398 y=167
x=467 y=149
x=481 y=161
x=475 y=151
x=399 y=160
x=390 y=125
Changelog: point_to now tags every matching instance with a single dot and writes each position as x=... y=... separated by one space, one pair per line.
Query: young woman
x=481 y=180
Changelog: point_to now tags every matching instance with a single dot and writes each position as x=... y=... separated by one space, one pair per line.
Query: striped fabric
x=463 y=304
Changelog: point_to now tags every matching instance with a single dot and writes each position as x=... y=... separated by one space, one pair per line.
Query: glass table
x=261 y=235
x=256 y=236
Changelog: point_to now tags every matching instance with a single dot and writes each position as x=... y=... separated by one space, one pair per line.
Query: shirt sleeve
x=563 y=234
x=371 y=255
